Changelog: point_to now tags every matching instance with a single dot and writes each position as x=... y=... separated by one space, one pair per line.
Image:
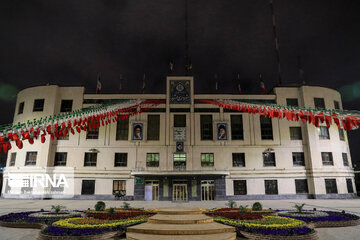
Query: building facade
x=187 y=150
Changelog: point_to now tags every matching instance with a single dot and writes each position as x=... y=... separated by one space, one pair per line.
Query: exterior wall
x=223 y=173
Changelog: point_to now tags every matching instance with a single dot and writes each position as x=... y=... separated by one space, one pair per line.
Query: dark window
x=345 y=159
x=90 y=159
x=122 y=130
x=30 y=158
x=12 y=159
x=179 y=120
x=60 y=159
x=240 y=187
x=323 y=132
x=266 y=128
x=180 y=161
x=207 y=159
x=206 y=127
x=238 y=159
x=38 y=105
x=336 y=105
x=120 y=159
x=298 y=159
x=331 y=186
x=319 y=103
x=119 y=186
x=66 y=105
x=237 y=132
x=341 y=134
x=327 y=158
x=269 y=159
x=292 y=102
x=271 y=187
x=88 y=187
x=153 y=127
x=92 y=133
x=349 y=185
x=301 y=186
x=152 y=159
x=295 y=133
x=21 y=108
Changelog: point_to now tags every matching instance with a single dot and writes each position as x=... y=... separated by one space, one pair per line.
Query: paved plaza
x=349 y=205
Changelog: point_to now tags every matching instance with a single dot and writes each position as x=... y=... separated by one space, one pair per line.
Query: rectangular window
x=30 y=158
x=336 y=105
x=93 y=133
x=345 y=159
x=266 y=128
x=331 y=186
x=349 y=185
x=180 y=120
x=206 y=127
x=271 y=187
x=88 y=187
x=120 y=160
x=179 y=161
x=301 y=186
x=237 y=132
x=295 y=133
x=90 y=159
x=292 y=102
x=298 y=159
x=38 y=105
x=60 y=159
x=240 y=187
x=327 y=158
x=66 y=105
x=21 y=108
x=153 y=127
x=319 y=103
x=238 y=159
x=207 y=159
x=269 y=159
x=323 y=132
x=152 y=159
x=122 y=130
x=119 y=186
x=341 y=134
x=12 y=159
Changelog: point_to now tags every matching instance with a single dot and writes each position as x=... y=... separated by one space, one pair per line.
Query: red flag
x=262 y=85
x=171 y=67
x=144 y=84
x=98 y=85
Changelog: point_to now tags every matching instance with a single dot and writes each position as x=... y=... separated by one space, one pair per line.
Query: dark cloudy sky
x=69 y=42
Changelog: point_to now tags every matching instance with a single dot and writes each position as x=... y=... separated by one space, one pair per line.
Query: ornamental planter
x=107 y=235
x=328 y=224
x=255 y=236
x=22 y=225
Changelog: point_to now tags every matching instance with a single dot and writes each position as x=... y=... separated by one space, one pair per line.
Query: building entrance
x=207 y=190
x=151 y=190
x=180 y=190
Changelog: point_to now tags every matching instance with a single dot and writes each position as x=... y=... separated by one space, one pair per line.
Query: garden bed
x=21 y=220
x=265 y=212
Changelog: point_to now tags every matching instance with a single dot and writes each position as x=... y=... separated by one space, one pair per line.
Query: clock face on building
x=179 y=91
x=179 y=133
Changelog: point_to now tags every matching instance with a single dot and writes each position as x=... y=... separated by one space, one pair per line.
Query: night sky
x=69 y=42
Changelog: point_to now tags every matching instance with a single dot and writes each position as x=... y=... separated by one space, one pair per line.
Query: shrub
x=112 y=211
x=231 y=204
x=100 y=206
x=242 y=209
x=299 y=207
x=57 y=208
x=257 y=206
x=126 y=205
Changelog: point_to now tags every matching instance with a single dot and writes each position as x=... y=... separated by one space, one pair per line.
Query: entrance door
x=152 y=188
x=180 y=190
x=207 y=190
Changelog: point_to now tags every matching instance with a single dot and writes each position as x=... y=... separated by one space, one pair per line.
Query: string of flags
x=63 y=124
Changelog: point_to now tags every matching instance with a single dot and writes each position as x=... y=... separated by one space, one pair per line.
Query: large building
x=188 y=150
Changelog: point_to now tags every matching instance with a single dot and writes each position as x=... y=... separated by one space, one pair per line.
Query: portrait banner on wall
x=222 y=131
x=137 y=131
x=179 y=146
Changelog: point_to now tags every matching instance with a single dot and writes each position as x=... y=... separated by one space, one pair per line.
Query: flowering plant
x=22 y=217
x=330 y=217
x=58 y=231
x=266 y=222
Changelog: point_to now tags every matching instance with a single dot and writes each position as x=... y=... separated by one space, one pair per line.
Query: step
x=217 y=236
x=181 y=229
x=180 y=219
x=178 y=211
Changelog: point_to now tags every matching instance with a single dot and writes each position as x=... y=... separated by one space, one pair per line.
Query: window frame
x=331 y=159
x=296 y=162
x=266 y=161
x=152 y=159
x=56 y=164
x=345 y=159
x=349 y=185
x=341 y=134
x=93 y=183
x=178 y=163
x=64 y=107
x=12 y=161
x=179 y=122
x=153 y=127
x=30 y=162
x=39 y=108
x=293 y=133
x=121 y=186
x=288 y=102
x=324 y=135
x=237 y=128
x=206 y=127
x=21 y=108
x=90 y=162
x=122 y=132
x=92 y=134
x=268 y=191
x=265 y=128
x=329 y=182
x=297 y=186
x=239 y=158
x=207 y=160
x=239 y=191
x=123 y=161
x=319 y=103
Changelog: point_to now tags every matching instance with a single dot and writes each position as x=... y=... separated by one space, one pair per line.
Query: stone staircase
x=180 y=223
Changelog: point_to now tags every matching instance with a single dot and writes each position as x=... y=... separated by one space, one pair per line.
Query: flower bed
x=310 y=214
x=235 y=215
x=20 y=217
x=248 y=210
x=121 y=215
x=266 y=222
x=52 y=215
